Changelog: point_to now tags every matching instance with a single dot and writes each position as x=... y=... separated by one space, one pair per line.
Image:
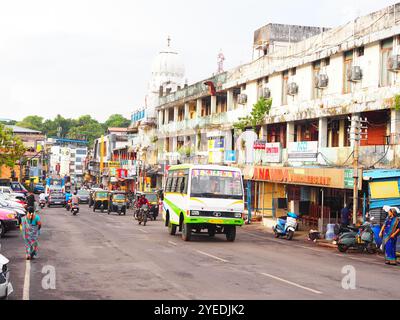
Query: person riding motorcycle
x=140 y=203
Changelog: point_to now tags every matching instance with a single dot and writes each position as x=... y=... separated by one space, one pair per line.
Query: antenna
x=220 y=62
x=169 y=41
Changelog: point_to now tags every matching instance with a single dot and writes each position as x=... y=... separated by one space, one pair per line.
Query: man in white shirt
x=42 y=197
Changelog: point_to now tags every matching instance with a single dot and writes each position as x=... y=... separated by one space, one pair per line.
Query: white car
x=5 y=285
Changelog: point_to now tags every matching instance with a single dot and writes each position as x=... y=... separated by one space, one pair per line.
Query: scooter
x=286 y=226
x=362 y=239
x=74 y=208
x=42 y=203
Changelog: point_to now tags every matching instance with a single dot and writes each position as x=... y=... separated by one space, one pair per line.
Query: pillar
x=213 y=104
x=229 y=100
x=166 y=116
x=289 y=133
x=263 y=132
x=160 y=118
x=394 y=126
x=187 y=111
x=342 y=131
x=199 y=104
x=176 y=111
x=323 y=133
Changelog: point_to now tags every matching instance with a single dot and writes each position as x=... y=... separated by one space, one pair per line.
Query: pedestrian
x=389 y=232
x=345 y=215
x=30 y=201
x=30 y=227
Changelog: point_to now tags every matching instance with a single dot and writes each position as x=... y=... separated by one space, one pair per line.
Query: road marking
x=27 y=280
x=173 y=243
x=144 y=231
x=211 y=256
x=291 y=283
x=358 y=259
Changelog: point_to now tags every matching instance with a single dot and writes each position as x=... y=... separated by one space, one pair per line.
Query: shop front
x=317 y=194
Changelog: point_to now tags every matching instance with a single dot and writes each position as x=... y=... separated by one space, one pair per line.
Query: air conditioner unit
x=394 y=62
x=354 y=73
x=266 y=93
x=242 y=98
x=292 y=89
x=321 y=81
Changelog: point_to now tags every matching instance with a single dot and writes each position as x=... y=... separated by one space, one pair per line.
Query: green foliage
x=257 y=115
x=186 y=150
x=86 y=128
x=117 y=120
x=31 y=122
x=11 y=147
x=8 y=122
x=397 y=102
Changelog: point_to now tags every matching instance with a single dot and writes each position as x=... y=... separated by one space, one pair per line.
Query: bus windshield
x=216 y=184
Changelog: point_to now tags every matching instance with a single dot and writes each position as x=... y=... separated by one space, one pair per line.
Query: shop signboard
x=304 y=151
x=230 y=156
x=216 y=147
x=348 y=179
x=273 y=152
x=113 y=164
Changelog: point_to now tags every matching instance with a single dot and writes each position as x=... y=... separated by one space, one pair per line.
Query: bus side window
x=174 y=185
x=185 y=184
x=168 y=185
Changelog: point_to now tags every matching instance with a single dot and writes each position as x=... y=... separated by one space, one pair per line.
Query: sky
x=76 y=57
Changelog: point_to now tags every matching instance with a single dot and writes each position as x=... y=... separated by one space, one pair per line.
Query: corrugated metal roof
x=17 y=129
x=381 y=174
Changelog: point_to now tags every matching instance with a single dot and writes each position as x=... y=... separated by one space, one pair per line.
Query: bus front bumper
x=216 y=221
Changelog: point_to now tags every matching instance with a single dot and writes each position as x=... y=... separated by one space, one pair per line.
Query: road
x=100 y=256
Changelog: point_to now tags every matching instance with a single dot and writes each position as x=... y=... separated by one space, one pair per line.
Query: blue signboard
x=230 y=156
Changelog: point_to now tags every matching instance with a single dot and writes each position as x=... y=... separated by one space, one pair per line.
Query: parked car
x=56 y=199
x=83 y=196
x=38 y=188
x=8 y=221
x=5 y=285
x=21 y=212
x=18 y=188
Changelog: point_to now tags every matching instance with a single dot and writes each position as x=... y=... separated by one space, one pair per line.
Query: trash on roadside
x=313 y=235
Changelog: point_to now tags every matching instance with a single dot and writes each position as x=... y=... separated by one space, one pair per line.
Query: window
x=348 y=64
x=360 y=51
x=170 y=115
x=181 y=113
x=174 y=184
x=293 y=71
x=386 y=77
x=285 y=79
x=80 y=151
x=168 y=185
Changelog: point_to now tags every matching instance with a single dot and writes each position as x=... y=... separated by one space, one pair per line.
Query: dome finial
x=169 y=41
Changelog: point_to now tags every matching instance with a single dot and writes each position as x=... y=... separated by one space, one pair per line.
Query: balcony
x=213 y=120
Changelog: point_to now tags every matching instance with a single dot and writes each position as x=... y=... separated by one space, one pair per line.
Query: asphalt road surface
x=100 y=256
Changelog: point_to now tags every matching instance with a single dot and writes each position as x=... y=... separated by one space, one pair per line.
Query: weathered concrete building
x=322 y=82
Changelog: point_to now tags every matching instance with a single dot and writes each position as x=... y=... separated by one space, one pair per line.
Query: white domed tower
x=168 y=71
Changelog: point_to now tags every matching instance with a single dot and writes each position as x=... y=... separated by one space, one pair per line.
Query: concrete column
x=213 y=104
x=166 y=116
x=323 y=132
x=228 y=140
x=229 y=99
x=289 y=133
x=394 y=126
x=176 y=110
x=160 y=118
x=187 y=108
x=199 y=103
x=175 y=144
x=263 y=132
x=342 y=131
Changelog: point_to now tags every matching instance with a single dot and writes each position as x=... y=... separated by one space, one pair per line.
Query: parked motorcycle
x=286 y=226
x=361 y=238
x=143 y=214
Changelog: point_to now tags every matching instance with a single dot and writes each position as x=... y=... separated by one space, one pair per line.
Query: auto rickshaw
x=100 y=200
x=117 y=202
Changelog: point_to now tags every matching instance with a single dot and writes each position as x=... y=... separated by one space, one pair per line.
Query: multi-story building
x=67 y=157
x=322 y=82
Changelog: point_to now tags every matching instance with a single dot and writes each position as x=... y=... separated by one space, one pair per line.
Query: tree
x=117 y=120
x=256 y=117
x=31 y=122
x=8 y=122
x=87 y=128
x=11 y=147
x=51 y=127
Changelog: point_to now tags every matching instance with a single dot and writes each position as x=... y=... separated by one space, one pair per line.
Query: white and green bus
x=203 y=197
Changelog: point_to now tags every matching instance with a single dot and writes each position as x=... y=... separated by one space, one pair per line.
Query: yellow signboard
x=384 y=190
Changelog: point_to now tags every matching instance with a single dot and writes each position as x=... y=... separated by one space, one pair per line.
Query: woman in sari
x=30 y=226
x=389 y=233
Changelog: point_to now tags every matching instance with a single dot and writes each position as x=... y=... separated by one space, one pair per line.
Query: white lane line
x=291 y=283
x=27 y=280
x=358 y=259
x=173 y=243
x=211 y=256
x=144 y=231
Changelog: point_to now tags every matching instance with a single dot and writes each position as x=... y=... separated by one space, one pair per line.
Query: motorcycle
x=361 y=238
x=143 y=214
x=68 y=205
x=286 y=226
x=42 y=204
x=74 y=208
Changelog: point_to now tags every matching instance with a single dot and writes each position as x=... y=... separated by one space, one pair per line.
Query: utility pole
x=358 y=131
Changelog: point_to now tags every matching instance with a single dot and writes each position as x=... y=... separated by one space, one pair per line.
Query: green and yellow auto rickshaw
x=117 y=202
x=100 y=200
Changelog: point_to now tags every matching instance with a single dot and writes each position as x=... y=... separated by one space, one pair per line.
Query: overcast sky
x=77 y=57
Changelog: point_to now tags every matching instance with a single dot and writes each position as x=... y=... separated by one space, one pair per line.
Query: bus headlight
x=194 y=213
x=238 y=214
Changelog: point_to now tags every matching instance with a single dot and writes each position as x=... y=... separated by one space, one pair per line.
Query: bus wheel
x=186 y=232
x=231 y=233
x=171 y=229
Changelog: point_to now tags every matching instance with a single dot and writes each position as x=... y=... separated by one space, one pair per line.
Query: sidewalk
x=299 y=235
